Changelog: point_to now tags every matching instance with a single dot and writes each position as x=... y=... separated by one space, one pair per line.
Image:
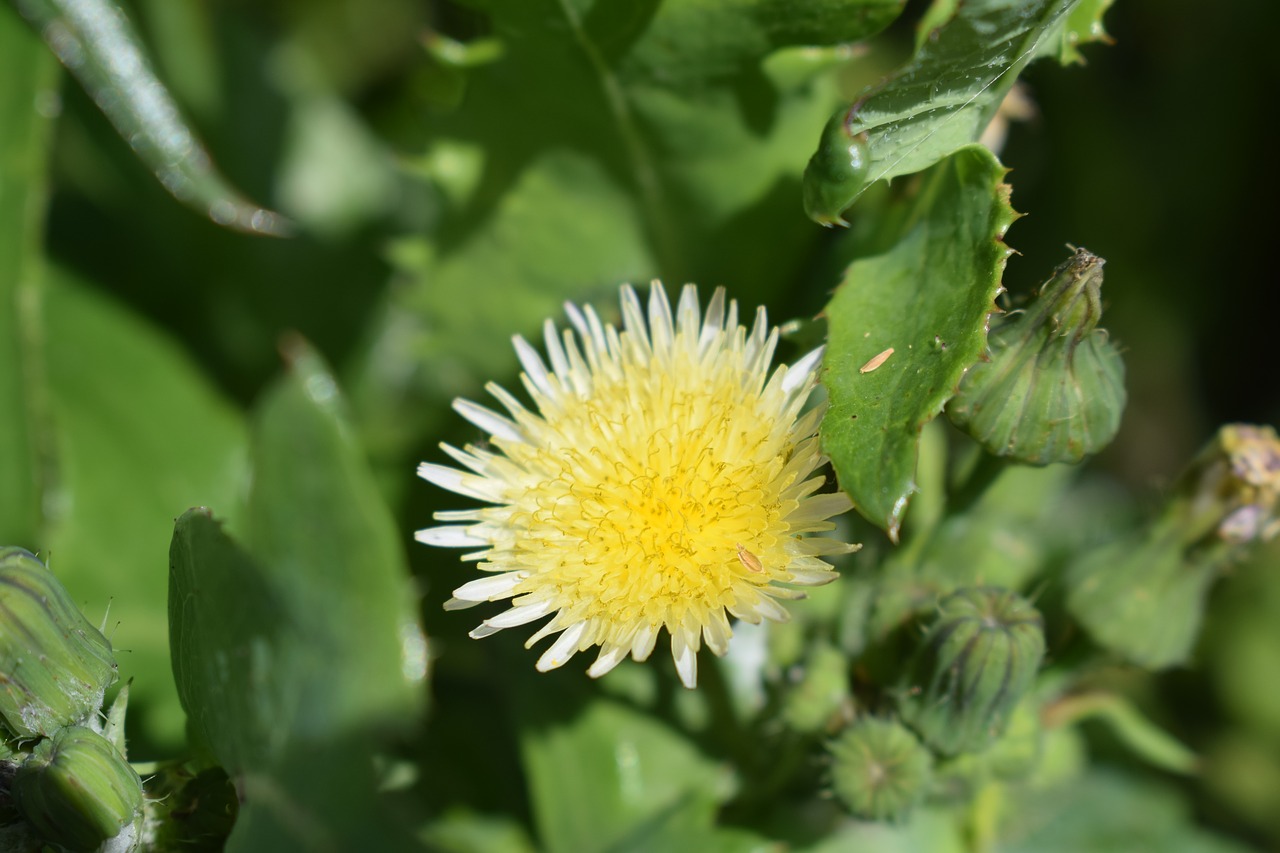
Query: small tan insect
x=751 y=561
x=876 y=361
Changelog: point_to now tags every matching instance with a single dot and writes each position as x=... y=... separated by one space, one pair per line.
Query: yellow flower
x=664 y=482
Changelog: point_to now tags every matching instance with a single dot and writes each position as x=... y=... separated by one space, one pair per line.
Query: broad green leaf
x=98 y=44
x=927 y=299
x=563 y=229
x=298 y=653
x=1105 y=812
x=316 y=522
x=30 y=75
x=612 y=142
x=140 y=437
x=945 y=97
x=610 y=773
x=229 y=637
x=245 y=667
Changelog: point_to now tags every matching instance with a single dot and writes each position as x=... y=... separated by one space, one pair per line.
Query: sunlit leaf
x=612 y=773
x=97 y=43
x=927 y=299
x=969 y=56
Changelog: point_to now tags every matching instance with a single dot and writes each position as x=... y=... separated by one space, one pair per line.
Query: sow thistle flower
x=665 y=481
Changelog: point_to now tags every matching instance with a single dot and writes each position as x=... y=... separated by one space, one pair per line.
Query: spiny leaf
x=926 y=299
x=969 y=56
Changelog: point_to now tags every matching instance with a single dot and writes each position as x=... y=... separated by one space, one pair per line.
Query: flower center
x=647 y=505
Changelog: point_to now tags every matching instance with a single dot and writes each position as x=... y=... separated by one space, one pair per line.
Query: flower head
x=663 y=482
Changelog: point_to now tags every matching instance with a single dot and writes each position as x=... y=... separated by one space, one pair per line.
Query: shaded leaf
x=30 y=75
x=140 y=437
x=316 y=522
x=298 y=655
x=1106 y=812
x=229 y=642
x=927 y=298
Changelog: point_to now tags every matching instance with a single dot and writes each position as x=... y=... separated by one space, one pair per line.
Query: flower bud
x=1143 y=597
x=54 y=665
x=977 y=660
x=879 y=770
x=1053 y=389
x=1013 y=756
x=77 y=790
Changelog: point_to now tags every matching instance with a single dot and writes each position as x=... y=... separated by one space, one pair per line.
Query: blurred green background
x=331 y=111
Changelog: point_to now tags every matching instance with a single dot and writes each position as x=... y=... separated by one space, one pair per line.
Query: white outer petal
x=519 y=615
x=488 y=420
x=534 y=368
x=492 y=588
x=449 y=537
x=686 y=659
x=643 y=642
x=799 y=372
x=458 y=481
x=565 y=647
x=607 y=661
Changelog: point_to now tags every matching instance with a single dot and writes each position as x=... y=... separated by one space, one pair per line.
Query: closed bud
x=879 y=770
x=1143 y=597
x=976 y=662
x=54 y=665
x=1013 y=756
x=1053 y=389
x=76 y=790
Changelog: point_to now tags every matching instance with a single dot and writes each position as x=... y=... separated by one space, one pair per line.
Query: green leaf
x=97 y=43
x=317 y=522
x=223 y=608
x=612 y=142
x=927 y=298
x=1083 y=25
x=300 y=654
x=30 y=74
x=944 y=98
x=610 y=775
x=1105 y=812
x=140 y=437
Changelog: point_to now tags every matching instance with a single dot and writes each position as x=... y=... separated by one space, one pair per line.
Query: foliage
x=212 y=409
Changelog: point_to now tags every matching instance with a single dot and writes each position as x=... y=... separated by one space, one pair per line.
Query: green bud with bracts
x=1143 y=596
x=54 y=665
x=1053 y=387
x=77 y=791
x=879 y=769
x=976 y=662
